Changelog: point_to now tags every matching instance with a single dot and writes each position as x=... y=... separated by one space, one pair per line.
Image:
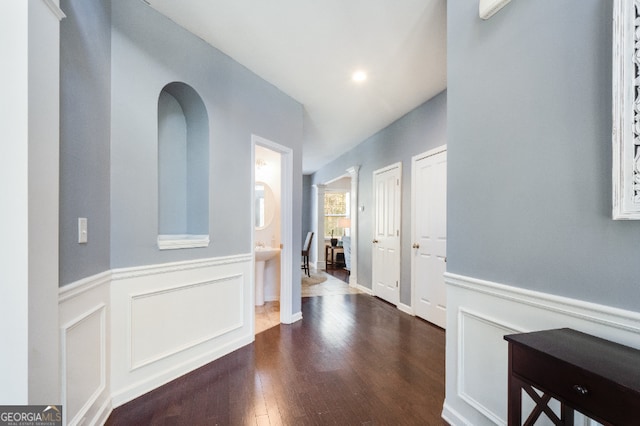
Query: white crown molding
x=488 y=8
x=59 y=14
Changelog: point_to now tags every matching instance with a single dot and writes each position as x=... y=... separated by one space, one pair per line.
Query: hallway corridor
x=352 y=360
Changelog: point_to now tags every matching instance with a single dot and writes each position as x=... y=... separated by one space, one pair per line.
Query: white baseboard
x=102 y=415
x=296 y=317
x=452 y=417
x=480 y=313
x=153 y=381
x=363 y=289
x=406 y=309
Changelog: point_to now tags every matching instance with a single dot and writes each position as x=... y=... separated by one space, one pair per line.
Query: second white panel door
x=429 y=200
x=386 y=235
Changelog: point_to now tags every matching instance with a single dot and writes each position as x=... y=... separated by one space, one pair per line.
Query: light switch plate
x=82 y=230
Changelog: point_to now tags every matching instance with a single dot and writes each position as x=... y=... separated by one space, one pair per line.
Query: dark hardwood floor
x=339 y=272
x=352 y=360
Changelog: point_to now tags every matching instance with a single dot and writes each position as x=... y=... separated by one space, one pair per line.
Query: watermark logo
x=30 y=415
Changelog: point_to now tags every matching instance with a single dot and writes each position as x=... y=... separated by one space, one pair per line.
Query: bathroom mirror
x=264 y=205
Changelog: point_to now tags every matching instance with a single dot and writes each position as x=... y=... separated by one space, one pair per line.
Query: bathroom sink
x=262 y=255
x=265 y=253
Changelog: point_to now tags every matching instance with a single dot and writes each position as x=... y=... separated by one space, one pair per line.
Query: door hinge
x=397 y=182
x=397 y=285
x=397 y=232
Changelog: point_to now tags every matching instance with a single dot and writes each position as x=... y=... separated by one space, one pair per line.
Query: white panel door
x=429 y=218
x=386 y=235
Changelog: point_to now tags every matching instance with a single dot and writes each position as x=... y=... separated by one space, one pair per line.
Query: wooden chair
x=305 y=253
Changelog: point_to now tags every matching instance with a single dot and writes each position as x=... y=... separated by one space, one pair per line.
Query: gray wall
x=85 y=96
x=149 y=51
x=529 y=129
x=116 y=56
x=418 y=131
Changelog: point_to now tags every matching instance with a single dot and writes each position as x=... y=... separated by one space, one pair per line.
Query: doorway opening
x=337 y=226
x=272 y=239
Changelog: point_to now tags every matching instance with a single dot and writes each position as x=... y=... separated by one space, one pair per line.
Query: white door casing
x=287 y=316
x=386 y=233
x=429 y=235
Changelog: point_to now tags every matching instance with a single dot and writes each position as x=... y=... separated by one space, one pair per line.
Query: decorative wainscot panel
x=170 y=319
x=626 y=109
x=127 y=331
x=480 y=313
x=84 y=350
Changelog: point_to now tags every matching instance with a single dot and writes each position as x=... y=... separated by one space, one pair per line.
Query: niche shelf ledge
x=172 y=242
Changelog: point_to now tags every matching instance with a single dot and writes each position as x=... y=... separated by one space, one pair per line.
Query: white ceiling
x=310 y=48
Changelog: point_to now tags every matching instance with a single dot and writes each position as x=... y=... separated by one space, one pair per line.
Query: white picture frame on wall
x=626 y=110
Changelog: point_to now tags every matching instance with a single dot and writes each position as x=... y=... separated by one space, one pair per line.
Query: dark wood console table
x=330 y=253
x=599 y=378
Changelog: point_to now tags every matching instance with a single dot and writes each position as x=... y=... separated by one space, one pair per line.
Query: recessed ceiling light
x=359 y=76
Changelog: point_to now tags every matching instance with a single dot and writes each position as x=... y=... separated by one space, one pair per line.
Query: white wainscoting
x=191 y=315
x=84 y=346
x=125 y=332
x=480 y=313
x=170 y=319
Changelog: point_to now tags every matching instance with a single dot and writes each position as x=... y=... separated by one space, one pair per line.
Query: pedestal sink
x=262 y=254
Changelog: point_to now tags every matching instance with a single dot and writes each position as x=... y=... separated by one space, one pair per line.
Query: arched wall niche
x=183 y=168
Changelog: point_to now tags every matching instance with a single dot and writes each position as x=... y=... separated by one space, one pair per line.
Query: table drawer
x=588 y=393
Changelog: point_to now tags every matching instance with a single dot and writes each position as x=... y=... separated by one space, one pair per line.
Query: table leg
x=566 y=414
x=514 y=417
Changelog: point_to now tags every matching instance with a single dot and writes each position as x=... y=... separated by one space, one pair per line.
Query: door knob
x=416 y=245
x=375 y=241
